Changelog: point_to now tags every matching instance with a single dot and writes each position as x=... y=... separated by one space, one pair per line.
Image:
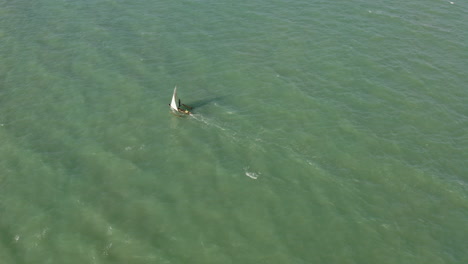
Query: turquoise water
x=323 y=132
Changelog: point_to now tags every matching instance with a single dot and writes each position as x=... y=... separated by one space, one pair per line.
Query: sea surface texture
x=322 y=132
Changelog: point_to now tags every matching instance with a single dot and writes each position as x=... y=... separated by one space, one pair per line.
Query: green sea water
x=322 y=132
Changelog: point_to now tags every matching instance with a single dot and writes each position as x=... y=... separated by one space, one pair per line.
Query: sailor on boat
x=183 y=108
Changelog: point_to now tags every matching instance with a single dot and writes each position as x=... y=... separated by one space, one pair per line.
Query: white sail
x=174 y=100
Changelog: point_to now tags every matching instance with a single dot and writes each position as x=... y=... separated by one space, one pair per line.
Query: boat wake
x=206 y=121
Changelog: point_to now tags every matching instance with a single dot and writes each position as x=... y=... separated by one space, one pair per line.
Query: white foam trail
x=199 y=117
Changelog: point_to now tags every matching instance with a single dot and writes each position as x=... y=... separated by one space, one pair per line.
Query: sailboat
x=176 y=106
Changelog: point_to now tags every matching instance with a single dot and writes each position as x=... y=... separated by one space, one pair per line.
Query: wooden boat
x=177 y=106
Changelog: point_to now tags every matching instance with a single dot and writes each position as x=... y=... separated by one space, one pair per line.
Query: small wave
x=250 y=174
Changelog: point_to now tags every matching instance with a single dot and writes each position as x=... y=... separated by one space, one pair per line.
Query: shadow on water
x=203 y=102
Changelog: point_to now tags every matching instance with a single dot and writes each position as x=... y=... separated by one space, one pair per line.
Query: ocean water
x=322 y=132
